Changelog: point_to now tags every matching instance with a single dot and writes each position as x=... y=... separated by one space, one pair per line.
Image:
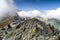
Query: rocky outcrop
x=31 y=29
x=34 y=29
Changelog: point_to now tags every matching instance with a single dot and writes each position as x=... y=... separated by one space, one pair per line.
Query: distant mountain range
x=54 y=22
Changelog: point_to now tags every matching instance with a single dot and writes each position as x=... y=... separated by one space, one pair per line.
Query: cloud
x=45 y=14
x=31 y=13
x=53 y=13
x=7 y=7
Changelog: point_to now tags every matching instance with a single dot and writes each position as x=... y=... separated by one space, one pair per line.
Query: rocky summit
x=29 y=29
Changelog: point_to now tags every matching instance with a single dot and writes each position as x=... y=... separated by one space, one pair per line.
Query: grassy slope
x=6 y=22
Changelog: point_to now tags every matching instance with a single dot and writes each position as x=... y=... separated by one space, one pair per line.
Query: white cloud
x=6 y=8
x=52 y=13
x=31 y=13
x=46 y=14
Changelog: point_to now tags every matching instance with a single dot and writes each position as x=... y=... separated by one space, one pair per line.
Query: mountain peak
x=29 y=29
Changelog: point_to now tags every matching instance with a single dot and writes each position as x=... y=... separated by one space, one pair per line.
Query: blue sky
x=44 y=8
x=37 y=4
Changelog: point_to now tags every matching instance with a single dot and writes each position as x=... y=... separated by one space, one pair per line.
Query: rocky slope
x=29 y=29
x=34 y=29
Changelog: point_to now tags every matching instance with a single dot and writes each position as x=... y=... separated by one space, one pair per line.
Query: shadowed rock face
x=32 y=29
